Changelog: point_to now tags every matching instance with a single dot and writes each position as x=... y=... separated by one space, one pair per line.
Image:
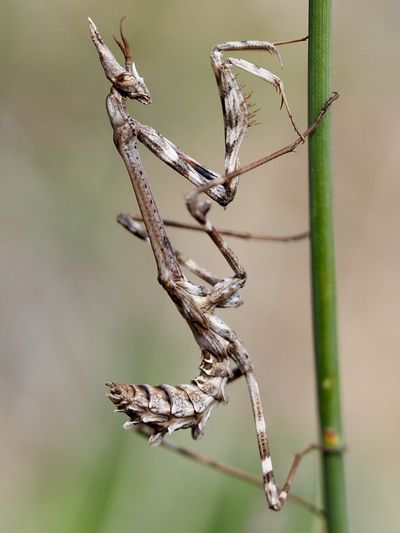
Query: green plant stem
x=323 y=266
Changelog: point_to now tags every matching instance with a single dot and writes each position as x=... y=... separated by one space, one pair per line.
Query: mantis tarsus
x=164 y=409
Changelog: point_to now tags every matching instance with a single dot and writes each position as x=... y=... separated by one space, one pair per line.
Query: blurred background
x=80 y=301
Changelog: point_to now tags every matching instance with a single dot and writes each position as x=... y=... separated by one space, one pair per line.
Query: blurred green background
x=80 y=303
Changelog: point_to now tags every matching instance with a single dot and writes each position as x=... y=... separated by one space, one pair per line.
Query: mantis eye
x=126 y=82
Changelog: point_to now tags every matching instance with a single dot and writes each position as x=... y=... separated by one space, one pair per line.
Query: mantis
x=161 y=410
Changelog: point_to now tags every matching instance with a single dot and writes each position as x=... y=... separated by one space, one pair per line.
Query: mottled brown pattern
x=165 y=408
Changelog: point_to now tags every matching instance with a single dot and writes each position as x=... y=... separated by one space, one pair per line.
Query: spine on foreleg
x=166 y=408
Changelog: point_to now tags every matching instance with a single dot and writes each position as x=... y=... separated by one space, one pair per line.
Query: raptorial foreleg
x=234 y=106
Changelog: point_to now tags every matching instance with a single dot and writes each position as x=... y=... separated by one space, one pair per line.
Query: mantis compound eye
x=133 y=87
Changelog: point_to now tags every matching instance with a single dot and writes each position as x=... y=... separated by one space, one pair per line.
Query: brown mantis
x=164 y=409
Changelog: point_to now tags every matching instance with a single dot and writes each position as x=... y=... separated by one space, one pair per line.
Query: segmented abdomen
x=166 y=408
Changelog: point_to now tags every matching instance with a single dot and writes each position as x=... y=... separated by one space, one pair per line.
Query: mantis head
x=125 y=80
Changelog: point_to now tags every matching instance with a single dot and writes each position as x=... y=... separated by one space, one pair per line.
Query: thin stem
x=323 y=267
